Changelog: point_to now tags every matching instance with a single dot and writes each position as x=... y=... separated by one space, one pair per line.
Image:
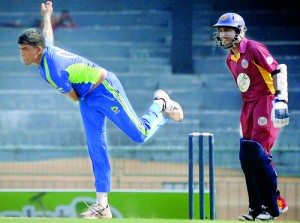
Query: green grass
x=128 y=220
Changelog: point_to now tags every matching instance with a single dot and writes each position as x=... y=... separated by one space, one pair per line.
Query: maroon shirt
x=252 y=69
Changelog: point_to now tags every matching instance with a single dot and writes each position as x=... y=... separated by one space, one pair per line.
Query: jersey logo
x=262 y=121
x=243 y=82
x=245 y=64
x=115 y=109
x=269 y=60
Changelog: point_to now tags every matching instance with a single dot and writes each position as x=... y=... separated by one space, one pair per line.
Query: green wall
x=124 y=204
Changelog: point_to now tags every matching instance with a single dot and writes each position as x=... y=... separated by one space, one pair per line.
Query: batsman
x=264 y=90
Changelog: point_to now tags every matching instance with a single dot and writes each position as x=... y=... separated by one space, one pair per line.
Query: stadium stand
x=133 y=39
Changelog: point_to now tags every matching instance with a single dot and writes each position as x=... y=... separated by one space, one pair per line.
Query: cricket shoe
x=264 y=216
x=246 y=217
x=281 y=204
x=170 y=107
x=96 y=211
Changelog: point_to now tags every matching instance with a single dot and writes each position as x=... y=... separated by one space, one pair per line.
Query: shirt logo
x=115 y=109
x=262 y=121
x=243 y=82
x=245 y=63
x=269 y=60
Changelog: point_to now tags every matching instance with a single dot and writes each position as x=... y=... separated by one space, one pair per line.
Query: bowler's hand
x=46 y=9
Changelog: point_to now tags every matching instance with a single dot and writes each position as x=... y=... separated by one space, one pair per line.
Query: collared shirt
x=252 y=69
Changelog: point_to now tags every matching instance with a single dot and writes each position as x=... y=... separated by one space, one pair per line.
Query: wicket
x=201 y=174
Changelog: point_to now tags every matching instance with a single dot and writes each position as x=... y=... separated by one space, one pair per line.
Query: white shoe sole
x=176 y=112
x=282 y=211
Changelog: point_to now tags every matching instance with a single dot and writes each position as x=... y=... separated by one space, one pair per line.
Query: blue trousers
x=109 y=100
